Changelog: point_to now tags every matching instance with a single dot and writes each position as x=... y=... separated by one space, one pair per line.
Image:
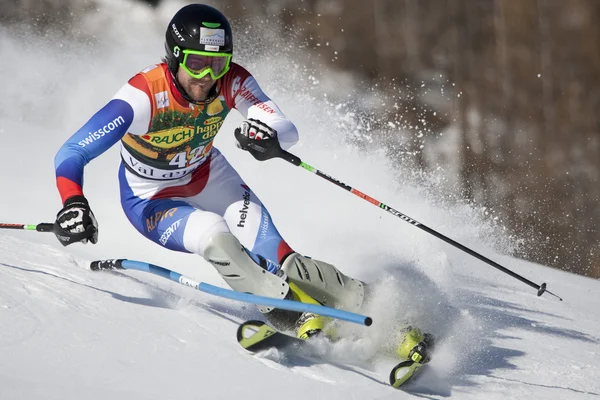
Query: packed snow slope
x=69 y=333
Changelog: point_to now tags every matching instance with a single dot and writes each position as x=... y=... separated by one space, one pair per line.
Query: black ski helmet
x=184 y=32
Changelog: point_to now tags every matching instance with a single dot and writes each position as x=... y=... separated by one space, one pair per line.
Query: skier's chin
x=198 y=90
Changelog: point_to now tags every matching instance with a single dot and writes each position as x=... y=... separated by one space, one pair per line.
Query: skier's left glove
x=76 y=222
x=258 y=139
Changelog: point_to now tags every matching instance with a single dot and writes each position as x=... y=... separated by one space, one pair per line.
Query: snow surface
x=69 y=333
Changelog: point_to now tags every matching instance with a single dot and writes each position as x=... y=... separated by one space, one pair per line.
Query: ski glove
x=76 y=222
x=258 y=139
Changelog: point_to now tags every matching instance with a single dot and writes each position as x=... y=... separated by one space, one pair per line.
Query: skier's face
x=196 y=89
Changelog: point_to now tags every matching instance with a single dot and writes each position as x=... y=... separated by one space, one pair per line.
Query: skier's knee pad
x=324 y=282
x=199 y=228
x=242 y=274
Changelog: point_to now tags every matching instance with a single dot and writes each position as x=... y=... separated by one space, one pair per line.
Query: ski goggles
x=198 y=64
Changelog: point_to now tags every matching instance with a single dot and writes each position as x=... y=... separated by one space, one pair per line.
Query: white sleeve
x=142 y=109
x=251 y=102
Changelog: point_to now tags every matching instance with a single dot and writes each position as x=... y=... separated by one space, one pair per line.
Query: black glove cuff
x=76 y=201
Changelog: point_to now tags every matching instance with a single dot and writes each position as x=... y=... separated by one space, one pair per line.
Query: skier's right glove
x=258 y=139
x=76 y=222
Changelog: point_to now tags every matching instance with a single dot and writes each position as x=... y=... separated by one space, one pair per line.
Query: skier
x=181 y=193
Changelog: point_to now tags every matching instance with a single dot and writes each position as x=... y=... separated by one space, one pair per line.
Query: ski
x=404 y=372
x=256 y=336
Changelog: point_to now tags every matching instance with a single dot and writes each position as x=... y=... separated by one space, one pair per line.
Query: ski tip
x=246 y=329
x=403 y=372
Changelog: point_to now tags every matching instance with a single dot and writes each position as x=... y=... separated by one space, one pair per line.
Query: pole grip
x=45 y=227
x=289 y=157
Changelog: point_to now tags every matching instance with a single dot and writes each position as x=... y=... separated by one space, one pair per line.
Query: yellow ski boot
x=415 y=346
x=309 y=324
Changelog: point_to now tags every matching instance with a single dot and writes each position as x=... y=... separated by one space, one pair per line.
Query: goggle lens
x=199 y=65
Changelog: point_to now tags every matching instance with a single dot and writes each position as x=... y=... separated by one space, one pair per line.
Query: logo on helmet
x=177 y=33
x=212 y=37
x=176 y=50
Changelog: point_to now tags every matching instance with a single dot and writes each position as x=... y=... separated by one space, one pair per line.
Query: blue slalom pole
x=231 y=294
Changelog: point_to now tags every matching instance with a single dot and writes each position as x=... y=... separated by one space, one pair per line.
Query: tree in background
x=520 y=88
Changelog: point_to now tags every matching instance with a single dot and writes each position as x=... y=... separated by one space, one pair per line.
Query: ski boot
x=309 y=324
x=416 y=349
x=416 y=346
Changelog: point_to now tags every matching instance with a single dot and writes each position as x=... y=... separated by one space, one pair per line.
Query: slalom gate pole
x=43 y=227
x=289 y=157
x=291 y=305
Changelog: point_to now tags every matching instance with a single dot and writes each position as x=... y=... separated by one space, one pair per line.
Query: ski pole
x=65 y=238
x=299 y=163
x=291 y=305
x=43 y=227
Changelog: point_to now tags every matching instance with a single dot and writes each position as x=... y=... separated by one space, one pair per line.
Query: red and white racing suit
x=176 y=188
